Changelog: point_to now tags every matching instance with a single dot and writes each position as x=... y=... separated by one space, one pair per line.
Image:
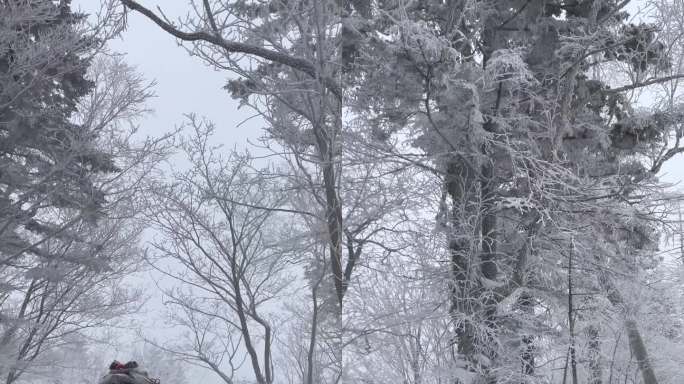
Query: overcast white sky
x=184 y=83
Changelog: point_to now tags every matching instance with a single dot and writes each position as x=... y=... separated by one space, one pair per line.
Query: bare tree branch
x=297 y=63
x=657 y=80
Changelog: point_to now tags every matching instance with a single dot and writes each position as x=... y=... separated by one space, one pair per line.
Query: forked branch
x=296 y=63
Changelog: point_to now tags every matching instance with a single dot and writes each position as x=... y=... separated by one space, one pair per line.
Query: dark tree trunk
x=594 y=347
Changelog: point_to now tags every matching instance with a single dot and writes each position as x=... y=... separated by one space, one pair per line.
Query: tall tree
x=507 y=103
x=69 y=180
x=524 y=111
x=286 y=58
x=215 y=220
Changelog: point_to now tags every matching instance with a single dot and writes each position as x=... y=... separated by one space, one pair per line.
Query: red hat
x=115 y=365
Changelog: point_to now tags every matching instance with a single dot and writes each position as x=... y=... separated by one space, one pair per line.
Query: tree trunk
x=459 y=185
x=595 y=370
x=636 y=342
x=571 y=318
x=638 y=348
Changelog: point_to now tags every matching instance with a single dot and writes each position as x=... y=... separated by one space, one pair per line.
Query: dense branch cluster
x=70 y=174
x=447 y=191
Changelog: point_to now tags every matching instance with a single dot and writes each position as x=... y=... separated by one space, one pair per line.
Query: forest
x=442 y=192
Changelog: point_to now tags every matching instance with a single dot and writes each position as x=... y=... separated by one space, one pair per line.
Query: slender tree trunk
x=636 y=342
x=595 y=365
x=638 y=348
x=571 y=318
x=488 y=266
x=417 y=352
x=459 y=188
x=527 y=356
x=11 y=376
x=312 y=340
x=532 y=224
x=487 y=192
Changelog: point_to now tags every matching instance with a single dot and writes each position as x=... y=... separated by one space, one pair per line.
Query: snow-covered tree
x=515 y=104
x=69 y=182
x=216 y=227
x=541 y=127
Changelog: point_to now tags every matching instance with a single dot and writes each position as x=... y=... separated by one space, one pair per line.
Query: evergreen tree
x=69 y=177
x=49 y=163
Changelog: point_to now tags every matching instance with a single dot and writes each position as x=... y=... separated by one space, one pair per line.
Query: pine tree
x=501 y=97
x=69 y=175
x=49 y=163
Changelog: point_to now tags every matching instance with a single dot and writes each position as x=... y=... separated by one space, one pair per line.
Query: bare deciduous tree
x=218 y=223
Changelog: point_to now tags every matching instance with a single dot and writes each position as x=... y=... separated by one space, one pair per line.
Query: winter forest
x=427 y=192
